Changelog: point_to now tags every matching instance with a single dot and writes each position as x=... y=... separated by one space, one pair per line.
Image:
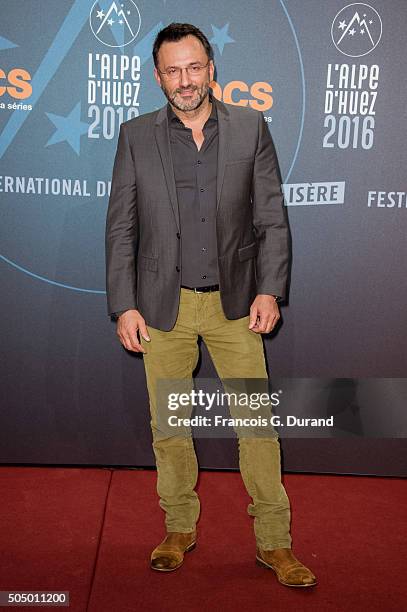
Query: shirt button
x=203 y=219
x=177 y=268
x=203 y=250
x=198 y=162
x=201 y=190
x=178 y=235
x=204 y=276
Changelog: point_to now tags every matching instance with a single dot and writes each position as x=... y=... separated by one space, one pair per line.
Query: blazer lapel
x=223 y=145
x=163 y=143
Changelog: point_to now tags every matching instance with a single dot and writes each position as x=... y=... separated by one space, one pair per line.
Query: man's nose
x=185 y=78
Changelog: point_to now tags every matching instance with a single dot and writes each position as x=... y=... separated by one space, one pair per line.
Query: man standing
x=197 y=245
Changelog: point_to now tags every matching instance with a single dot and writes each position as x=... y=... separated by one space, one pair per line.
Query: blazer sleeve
x=121 y=239
x=269 y=218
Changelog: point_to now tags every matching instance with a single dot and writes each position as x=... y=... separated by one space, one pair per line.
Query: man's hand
x=264 y=314
x=128 y=325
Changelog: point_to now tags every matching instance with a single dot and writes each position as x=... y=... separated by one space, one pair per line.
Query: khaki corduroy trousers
x=236 y=352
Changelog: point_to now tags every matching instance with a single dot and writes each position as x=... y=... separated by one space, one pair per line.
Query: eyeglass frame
x=201 y=68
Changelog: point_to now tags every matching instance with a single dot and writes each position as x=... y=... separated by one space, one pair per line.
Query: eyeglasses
x=174 y=72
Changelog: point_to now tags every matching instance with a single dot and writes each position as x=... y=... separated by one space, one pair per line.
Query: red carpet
x=80 y=530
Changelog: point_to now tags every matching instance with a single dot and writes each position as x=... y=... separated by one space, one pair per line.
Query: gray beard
x=188 y=106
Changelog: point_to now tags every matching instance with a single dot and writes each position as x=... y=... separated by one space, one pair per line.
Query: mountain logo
x=356 y=30
x=116 y=24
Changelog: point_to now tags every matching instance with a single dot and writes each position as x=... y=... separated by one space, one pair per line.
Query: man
x=197 y=245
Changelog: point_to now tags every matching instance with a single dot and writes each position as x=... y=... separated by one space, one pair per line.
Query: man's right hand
x=130 y=327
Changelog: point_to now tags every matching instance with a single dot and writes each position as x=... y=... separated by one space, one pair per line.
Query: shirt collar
x=212 y=117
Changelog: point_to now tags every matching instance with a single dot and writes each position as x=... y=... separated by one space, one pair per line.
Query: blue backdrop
x=330 y=80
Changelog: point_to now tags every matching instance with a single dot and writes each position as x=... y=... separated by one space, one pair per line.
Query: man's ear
x=211 y=70
x=157 y=76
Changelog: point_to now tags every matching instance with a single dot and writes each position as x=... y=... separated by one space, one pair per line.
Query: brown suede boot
x=288 y=569
x=169 y=555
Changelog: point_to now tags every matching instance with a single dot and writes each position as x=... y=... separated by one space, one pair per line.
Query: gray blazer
x=143 y=233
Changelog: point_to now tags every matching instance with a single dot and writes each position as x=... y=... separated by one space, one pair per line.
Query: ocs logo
x=238 y=93
x=118 y=25
x=17 y=83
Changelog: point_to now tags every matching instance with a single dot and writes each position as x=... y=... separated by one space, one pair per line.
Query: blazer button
x=177 y=268
x=178 y=235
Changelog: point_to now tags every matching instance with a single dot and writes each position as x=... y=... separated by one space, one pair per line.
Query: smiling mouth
x=187 y=92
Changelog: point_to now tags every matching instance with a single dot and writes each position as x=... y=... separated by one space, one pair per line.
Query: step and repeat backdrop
x=330 y=80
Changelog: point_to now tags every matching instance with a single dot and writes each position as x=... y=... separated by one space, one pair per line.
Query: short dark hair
x=175 y=32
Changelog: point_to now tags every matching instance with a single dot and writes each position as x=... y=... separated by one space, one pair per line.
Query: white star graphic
x=110 y=22
x=352 y=32
x=362 y=31
x=370 y=21
x=121 y=21
x=342 y=25
x=100 y=14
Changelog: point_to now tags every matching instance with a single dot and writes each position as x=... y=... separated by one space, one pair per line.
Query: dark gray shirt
x=195 y=175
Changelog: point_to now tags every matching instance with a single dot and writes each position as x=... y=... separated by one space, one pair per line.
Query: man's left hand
x=264 y=314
